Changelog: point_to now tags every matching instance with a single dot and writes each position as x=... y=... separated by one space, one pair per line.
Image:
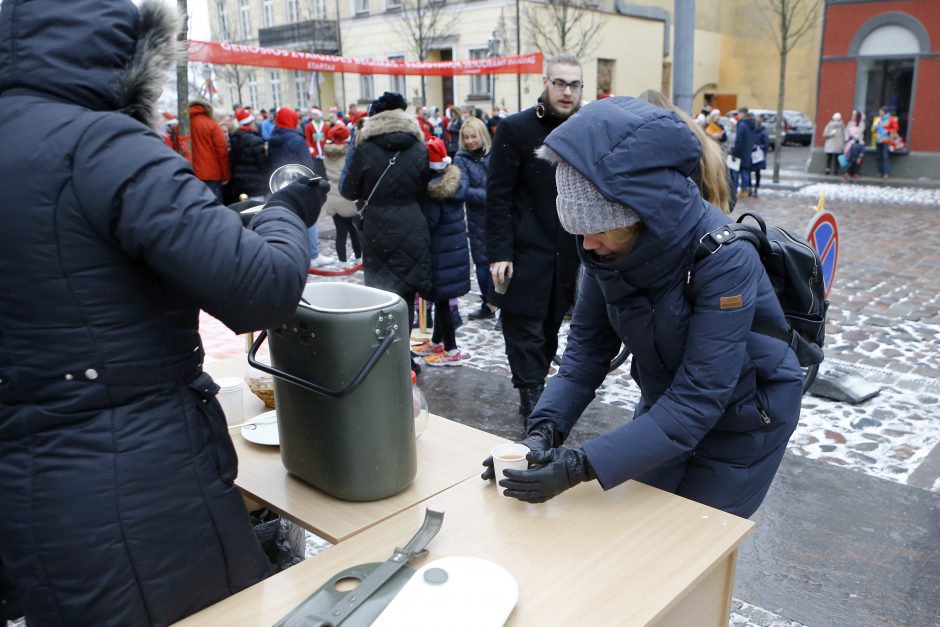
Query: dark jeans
x=216 y=188
x=832 y=162
x=484 y=279
x=530 y=345
x=444 y=330
x=755 y=180
x=735 y=180
x=745 y=174
x=884 y=158
x=344 y=227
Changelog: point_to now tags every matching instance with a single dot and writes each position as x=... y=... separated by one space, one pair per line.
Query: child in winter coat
x=450 y=255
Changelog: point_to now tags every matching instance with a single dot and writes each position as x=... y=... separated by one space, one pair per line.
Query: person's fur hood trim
x=335 y=151
x=446 y=185
x=394 y=121
x=140 y=85
x=202 y=102
x=546 y=153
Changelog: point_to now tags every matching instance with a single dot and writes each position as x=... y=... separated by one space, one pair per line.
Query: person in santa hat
x=341 y=210
x=250 y=164
x=171 y=135
x=315 y=133
x=450 y=255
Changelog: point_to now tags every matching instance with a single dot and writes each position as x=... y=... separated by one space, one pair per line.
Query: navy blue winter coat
x=288 y=146
x=450 y=259
x=762 y=140
x=473 y=193
x=744 y=141
x=719 y=402
x=116 y=465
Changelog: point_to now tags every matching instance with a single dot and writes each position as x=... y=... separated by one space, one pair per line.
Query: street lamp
x=493 y=45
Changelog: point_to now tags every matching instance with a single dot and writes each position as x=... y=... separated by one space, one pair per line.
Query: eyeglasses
x=561 y=85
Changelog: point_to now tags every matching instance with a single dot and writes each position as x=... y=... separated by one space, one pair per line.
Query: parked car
x=799 y=128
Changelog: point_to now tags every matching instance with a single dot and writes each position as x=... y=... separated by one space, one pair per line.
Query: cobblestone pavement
x=884 y=323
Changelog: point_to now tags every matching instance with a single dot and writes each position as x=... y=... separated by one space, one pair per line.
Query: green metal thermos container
x=342 y=387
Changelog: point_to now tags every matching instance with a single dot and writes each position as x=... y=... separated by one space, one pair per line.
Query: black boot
x=483 y=313
x=528 y=397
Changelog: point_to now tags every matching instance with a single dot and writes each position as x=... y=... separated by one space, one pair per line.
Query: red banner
x=237 y=54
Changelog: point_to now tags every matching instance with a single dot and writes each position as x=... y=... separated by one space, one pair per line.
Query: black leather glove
x=303 y=196
x=561 y=468
x=540 y=438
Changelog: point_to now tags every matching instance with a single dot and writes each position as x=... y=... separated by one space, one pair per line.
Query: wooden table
x=448 y=453
x=631 y=556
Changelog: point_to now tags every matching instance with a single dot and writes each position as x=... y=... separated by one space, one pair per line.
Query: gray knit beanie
x=582 y=210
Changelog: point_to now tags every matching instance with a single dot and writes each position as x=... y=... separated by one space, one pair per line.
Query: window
x=479 y=83
x=318 y=7
x=300 y=89
x=397 y=83
x=252 y=90
x=244 y=19
x=366 y=87
x=224 y=32
x=362 y=6
x=391 y=5
x=276 y=88
x=269 y=12
x=293 y=11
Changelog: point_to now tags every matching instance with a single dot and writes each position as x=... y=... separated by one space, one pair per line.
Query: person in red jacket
x=209 y=148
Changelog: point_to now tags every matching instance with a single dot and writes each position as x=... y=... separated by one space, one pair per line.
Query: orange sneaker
x=444 y=359
x=427 y=347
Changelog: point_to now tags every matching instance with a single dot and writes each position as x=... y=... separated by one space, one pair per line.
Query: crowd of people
x=116 y=465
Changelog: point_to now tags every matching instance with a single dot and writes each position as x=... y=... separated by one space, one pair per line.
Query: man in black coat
x=524 y=239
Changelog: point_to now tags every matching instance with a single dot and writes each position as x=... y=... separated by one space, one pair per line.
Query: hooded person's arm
x=592 y=343
x=143 y=198
x=502 y=178
x=725 y=290
x=220 y=149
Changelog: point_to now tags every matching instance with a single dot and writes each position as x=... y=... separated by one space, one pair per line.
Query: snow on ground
x=854 y=192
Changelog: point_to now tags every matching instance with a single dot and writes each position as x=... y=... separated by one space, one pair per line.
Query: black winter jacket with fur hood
x=116 y=467
x=396 y=242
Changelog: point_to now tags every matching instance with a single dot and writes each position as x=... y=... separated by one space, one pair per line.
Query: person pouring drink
x=718 y=401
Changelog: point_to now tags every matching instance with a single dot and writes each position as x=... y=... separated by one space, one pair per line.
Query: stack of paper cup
x=231 y=397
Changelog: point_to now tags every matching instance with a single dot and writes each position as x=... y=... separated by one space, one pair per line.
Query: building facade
x=630 y=51
x=884 y=53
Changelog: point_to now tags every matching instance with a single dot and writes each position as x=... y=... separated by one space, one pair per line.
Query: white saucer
x=262 y=429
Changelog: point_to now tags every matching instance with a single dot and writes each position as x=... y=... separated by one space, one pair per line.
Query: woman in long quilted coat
x=718 y=401
x=116 y=467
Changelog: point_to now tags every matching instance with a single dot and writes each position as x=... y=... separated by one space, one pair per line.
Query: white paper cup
x=509 y=455
x=231 y=398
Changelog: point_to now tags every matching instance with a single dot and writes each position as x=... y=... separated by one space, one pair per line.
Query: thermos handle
x=313 y=387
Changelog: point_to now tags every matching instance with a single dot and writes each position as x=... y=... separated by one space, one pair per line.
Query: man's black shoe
x=483 y=313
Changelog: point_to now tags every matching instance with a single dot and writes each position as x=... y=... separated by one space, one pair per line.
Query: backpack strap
x=713 y=241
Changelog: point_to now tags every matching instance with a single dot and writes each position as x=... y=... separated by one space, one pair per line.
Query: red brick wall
x=837 y=78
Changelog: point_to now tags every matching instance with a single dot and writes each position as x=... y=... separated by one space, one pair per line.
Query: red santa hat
x=316 y=112
x=243 y=117
x=170 y=119
x=437 y=153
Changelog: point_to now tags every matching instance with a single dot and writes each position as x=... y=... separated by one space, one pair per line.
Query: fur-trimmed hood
x=445 y=185
x=106 y=55
x=387 y=122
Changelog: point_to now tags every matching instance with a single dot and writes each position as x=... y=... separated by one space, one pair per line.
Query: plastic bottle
x=419 y=405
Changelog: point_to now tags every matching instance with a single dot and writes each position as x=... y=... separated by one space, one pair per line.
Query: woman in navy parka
x=718 y=401
x=116 y=466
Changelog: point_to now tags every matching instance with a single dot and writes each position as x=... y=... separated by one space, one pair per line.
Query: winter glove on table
x=560 y=468
x=304 y=197
x=540 y=438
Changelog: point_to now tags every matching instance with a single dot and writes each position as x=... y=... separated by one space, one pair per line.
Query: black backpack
x=796 y=275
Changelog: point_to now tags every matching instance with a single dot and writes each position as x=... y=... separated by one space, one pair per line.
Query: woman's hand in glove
x=303 y=196
x=560 y=468
x=540 y=438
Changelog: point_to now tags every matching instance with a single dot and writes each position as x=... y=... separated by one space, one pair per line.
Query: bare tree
x=182 y=70
x=787 y=21
x=230 y=74
x=424 y=24
x=555 y=26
